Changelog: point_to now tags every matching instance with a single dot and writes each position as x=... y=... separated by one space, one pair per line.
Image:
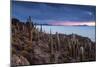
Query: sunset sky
x=78 y=19
x=55 y=14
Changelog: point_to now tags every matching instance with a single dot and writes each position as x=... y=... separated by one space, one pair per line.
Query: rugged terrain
x=31 y=46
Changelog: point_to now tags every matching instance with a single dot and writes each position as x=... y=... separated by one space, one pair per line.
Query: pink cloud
x=73 y=23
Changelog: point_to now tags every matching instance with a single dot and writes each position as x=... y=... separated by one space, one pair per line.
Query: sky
x=54 y=14
x=66 y=15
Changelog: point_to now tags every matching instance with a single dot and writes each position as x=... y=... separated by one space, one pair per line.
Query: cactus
x=30 y=35
x=30 y=23
x=30 y=29
x=23 y=27
x=37 y=35
x=51 y=48
x=51 y=43
x=69 y=48
x=34 y=25
x=17 y=26
x=81 y=53
x=54 y=54
x=57 y=51
x=58 y=41
x=77 y=49
x=74 y=40
x=41 y=28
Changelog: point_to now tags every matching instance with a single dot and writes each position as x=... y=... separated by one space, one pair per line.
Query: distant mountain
x=60 y=25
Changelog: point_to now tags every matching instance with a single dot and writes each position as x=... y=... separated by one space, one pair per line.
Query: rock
x=19 y=60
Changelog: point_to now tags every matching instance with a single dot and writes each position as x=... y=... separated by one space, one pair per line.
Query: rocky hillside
x=31 y=46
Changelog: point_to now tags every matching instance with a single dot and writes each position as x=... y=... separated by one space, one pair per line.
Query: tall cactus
x=36 y=32
x=34 y=25
x=51 y=43
x=69 y=48
x=81 y=53
x=41 y=28
x=77 y=49
x=74 y=45
x=73 y=39
x=51 y=48
x=17 y=25
x=56 y=53
x=58 y=41
x=41 y=32
x=23 y=27
x=30 y=29
x=90 y=49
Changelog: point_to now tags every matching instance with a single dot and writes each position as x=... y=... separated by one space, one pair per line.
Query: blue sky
x=44 y=13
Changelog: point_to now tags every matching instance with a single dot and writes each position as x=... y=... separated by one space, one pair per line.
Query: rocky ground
x=31 y=46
